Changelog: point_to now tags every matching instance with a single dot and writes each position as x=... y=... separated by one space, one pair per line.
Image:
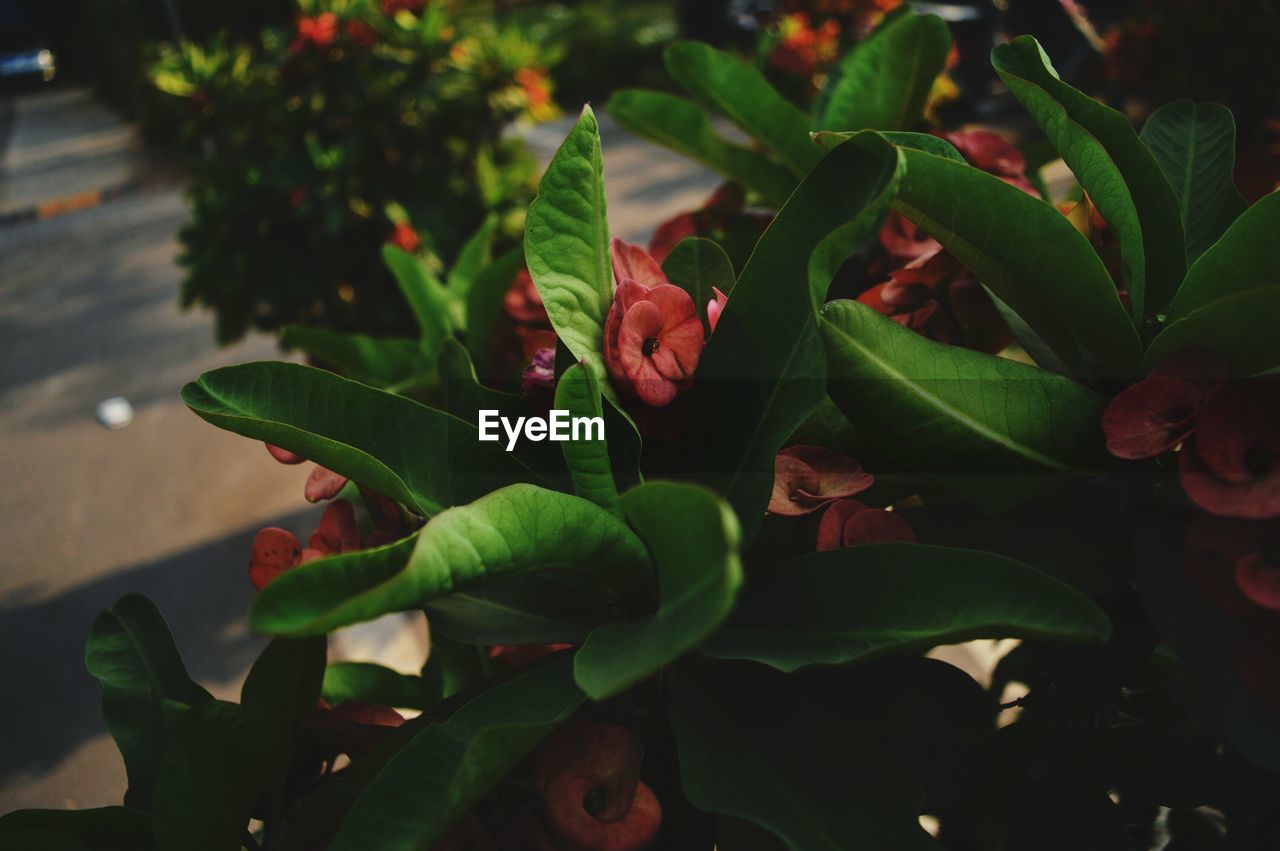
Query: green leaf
x=485 y=316
x=697 y=265
x=131 y=652
x=211 y=775
x=1114 y=167
x=883 y=83
x=532 y=609
x=377 y=361
x=578 y=392
x=675 y=123
x=1195 y=147
x=1241 y=327
x=1243 y=259
x=754 y=747
x=365 y=681
x=927 y=142
x=284 y=684
x=1028 y=254
x=413 y=454
x=102 y=829
x=998 y=429
x=448 y=767
x=693 y=538
x=840 y=606
x=763 y=371
x=741 y=94
x=473 y=257
x=425 y=294
x=566 y=242
x=514 y=530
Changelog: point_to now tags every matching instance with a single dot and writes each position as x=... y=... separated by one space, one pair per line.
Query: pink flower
x=993 y=154
x=849 y=523
x=323 y=484
x=1231 y=466
x=805 y=478
x=404 y=237
x=905 y=240
x=1160 y=411
x=715 y=306
x=539 y=377
x=652 y=336
x=284 y=456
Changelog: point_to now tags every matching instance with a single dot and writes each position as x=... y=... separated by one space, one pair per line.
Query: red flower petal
x=904 y=240
x=274 y=551
x=338 y=532
x=323 y=484
x=1259 y=580
x=715 y=306
x=805 y=478
x=284 y=456
x=1232 y=465
x=633 y=263
x=1159 y=412
x=849 y=523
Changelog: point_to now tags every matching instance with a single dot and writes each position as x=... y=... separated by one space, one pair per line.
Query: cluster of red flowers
x=804 y=49
x=277 y=550
x=809 y=478
x=1226 y=436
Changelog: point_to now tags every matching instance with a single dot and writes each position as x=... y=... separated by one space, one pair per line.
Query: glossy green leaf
x=447 y=768
x=1026 y=252
x=1195 y=146
x=578 y=392
x=675 y=123
x=693 y=538
x=927 y=142
x=698 y=265
x=1114 y=167
x=102 y=829
x=1243 y=259
x=514 y=530
x=413 y=454
x=131 y=652
x=753 y=747
x=366 y=681
x=533 y=609
x=998 y=429
x=425 y=294
x=472 y=258
x=566 y=242
x=485 y=316
x=283 y=684
x=741 y=94
x=763 y=371
x=376 y=361
x=211 y=775
x=839 y=606
x=1240 y=327
x=883 y=83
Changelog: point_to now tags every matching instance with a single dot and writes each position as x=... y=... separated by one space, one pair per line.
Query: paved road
x=168 y=505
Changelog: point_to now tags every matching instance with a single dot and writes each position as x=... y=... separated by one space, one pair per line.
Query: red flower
x=319 y=32
x=360 y=34
x=1231 y=466
x=993 y=154
x=905 y=240
x=911 y=305
x=276 y=550
x=805 y=478
x=652 y=336
x=390 y=7
x=1160 y=411
x=522 y=302
x=404 y=237
x=284 y=456
x=849 y=523
x=322 y=484
x=592 y=798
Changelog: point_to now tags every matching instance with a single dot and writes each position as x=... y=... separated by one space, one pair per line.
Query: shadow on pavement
x=52 y=704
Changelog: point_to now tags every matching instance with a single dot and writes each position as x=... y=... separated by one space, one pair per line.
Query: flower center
x=650 y=346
